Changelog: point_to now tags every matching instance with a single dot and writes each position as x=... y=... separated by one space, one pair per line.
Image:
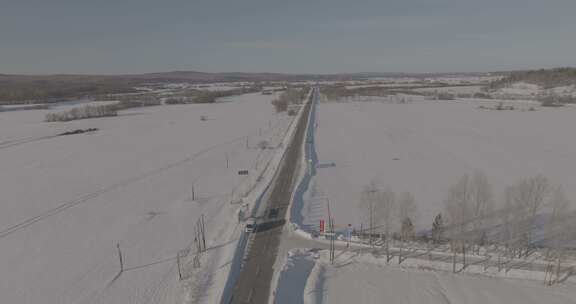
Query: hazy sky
x=313 y=36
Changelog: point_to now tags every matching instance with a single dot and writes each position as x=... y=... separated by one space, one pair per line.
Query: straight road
x=253 y=283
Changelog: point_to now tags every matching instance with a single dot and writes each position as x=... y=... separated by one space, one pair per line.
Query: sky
x=289 y=36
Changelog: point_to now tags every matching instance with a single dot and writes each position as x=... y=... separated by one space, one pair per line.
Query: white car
x=250 y=225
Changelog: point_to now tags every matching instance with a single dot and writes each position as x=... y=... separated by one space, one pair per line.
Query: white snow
x=453 y=90
x=128 y=183
x=425 y=146
x=361 y=278
x=518 y=90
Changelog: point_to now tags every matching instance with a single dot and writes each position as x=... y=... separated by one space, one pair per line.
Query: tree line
x=530 y=213
x=288 y=97
x=106 y=110
x=209 y=96
x=547 y=78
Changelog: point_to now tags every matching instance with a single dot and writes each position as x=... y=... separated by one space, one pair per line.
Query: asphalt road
x=253 y=283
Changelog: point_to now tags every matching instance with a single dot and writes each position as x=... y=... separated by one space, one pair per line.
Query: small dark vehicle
x=273 y=213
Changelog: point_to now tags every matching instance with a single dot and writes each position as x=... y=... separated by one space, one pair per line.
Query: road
x=253 y=283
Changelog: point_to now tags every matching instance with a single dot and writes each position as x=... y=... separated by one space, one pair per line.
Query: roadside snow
x=364 y=279
x=67 y=201
x=357 y=277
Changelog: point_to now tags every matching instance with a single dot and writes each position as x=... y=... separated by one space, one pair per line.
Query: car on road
x=250 y=225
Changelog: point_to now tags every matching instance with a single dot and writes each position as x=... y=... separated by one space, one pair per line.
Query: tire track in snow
x=69 y=204
x=21 y=141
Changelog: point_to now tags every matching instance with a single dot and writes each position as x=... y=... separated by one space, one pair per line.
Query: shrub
x=87 y=111
x=290 y=96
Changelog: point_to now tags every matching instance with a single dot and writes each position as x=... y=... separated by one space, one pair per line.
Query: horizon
x=295 y=74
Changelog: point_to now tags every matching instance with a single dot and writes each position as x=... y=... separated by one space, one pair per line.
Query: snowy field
x=361 y=278
x=68 y=200
x=424 y=147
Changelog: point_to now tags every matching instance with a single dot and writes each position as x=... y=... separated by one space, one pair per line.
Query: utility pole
x=332 y=241
x=331 y=225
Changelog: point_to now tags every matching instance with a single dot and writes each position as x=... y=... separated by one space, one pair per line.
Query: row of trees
x=475 y=215
x=547 y=78
x=288 y=97
x=530 y=214
x=553 y=100
x=94 y=111
x=386 y=209
x=49 y=89
x=471 y=210
x=87 y=111
x=209 y=96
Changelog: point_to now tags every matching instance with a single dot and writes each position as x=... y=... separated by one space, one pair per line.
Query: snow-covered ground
x=453 y=90
x=521 y=88
x=424 y=146
x=68 y=201
x=362 y=278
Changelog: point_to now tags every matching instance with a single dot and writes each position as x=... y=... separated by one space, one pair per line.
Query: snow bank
x=363 y=278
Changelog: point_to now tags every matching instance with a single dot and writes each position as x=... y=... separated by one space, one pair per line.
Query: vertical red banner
x=321 y=226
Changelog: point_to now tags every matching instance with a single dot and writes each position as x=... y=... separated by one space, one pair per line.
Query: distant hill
x=19 y=89
x=46 y=88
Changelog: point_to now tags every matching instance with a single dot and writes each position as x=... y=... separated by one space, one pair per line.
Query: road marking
x=250 y=295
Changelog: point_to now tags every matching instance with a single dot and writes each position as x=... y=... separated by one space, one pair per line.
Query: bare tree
x=559 y=205
x=407 y=232
x=437 y=232
x=557 y=233
x=529 y=196
x=482 y=203
x=368 y=199
x=406 y=206
x=379 y=207
x=386 y=207
x=457 y=204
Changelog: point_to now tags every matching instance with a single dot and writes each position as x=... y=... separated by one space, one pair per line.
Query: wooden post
x=203 y=233
x=400 y=254
x=464 y=255
x=331 y=227
x=370 y=232
x=179 y=266
x=558 y=267
x=193 y=193
x=453 y=257
x=120 y=258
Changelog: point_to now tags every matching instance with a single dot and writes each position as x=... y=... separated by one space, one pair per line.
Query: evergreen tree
x=438 y=228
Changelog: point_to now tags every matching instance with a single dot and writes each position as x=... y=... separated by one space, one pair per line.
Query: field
x=67 y=201
x=360 y=278
x=424 y=146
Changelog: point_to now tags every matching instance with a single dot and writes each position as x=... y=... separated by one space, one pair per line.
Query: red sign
x=321 y=226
